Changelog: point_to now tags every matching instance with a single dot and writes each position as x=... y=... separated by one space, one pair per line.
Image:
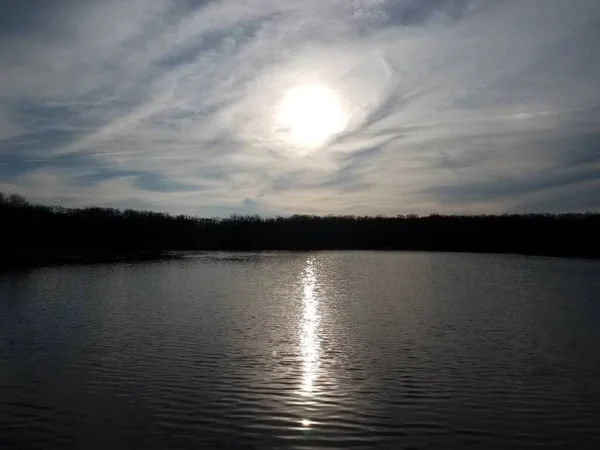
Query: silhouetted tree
x=37 y=233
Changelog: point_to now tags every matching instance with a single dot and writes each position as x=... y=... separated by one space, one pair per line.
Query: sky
x=278 y=107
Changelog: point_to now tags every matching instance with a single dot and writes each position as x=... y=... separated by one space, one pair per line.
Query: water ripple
x=295 y=350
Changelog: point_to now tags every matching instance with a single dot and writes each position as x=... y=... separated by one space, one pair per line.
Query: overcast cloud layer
x=456 y=106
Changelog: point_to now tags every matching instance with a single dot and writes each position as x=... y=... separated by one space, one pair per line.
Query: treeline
x=40 y=233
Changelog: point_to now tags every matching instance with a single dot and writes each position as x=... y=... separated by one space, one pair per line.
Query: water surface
x=303 y=350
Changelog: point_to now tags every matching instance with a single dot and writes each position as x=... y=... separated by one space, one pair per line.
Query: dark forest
x=40 y=234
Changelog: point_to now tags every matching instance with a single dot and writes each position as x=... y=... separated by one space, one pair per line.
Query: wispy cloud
x=453 y=105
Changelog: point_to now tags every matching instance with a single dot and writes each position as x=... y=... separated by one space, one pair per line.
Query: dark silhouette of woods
x=37 y=233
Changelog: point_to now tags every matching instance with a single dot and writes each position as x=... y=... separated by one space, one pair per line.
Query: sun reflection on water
x=310 y=347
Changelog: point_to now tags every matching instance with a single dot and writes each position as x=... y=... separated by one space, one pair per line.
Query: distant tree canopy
x=37 y=232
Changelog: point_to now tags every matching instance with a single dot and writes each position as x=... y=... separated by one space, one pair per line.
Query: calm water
x=303 y=350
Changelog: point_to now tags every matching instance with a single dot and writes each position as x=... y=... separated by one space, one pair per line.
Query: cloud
x=453 y=105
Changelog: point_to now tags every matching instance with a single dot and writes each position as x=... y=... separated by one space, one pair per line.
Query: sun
x=311 y=114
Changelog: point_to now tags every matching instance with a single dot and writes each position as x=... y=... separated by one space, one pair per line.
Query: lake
x=384 y=350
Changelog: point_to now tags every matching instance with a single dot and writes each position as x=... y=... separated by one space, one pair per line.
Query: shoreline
x=22 y=262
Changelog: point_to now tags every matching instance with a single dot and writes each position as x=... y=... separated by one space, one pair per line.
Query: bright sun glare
x=310 y=114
